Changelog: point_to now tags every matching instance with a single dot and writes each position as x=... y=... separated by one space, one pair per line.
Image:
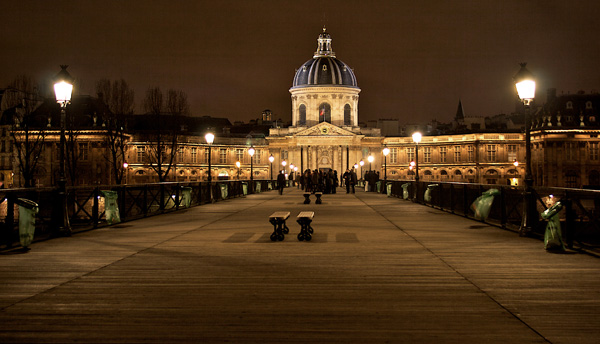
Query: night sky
x=413 y=60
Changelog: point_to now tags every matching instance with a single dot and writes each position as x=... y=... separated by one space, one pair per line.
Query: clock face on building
x=325 y=130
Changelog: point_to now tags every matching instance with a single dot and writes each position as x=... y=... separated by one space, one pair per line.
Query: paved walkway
x=378 y=270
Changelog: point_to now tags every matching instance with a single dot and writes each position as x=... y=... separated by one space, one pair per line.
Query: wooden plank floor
x=378 y=270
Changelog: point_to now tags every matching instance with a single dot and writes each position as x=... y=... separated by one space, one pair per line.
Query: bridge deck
x=378 y=269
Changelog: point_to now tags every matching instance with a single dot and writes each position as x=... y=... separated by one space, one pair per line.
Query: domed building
x=324 y=133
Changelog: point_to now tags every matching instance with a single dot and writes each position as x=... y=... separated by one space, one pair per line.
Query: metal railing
x=580 y=217
x=86 y=204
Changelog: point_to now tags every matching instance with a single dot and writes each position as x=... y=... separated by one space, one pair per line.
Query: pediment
x=324 y=129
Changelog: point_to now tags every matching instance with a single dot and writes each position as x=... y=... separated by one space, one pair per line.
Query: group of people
x=371 y=177
x=319 y=181
x=326 y=181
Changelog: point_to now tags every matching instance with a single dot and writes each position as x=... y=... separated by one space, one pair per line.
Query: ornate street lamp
x=361 y=163
x=210 y=138
x=385 y=152
x=63 y=89
x=525 y=84
x=416 y=139
x=271 y=159
x=237 y=164
x=283 y=163
x=251 y=152
x=371 y=159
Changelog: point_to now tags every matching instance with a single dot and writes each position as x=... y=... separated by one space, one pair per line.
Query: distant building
x=325 y=133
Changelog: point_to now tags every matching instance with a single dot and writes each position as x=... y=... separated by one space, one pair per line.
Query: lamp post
x=63 y=89
x=271 y=159
x=238 y=165
x=385 y=152
x=361 y=163
x=370 y=159
x=283 y=163
x=251 y=152
x=525 y=84
x=210 y=138
x=416 y=139
x=125 y=165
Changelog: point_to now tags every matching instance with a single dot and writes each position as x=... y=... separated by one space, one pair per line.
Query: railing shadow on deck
x=86 y=204
x=580 y=217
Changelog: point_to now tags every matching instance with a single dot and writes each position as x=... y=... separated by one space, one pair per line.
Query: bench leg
x=318 y=201
x=279 y=229
x=305 y=230
x=306 y=199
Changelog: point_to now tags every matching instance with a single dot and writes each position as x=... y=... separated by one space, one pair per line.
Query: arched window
x=325 y=113
x=302 y=117
x=347 y=115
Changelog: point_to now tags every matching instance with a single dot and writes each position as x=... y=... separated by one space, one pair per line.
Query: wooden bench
x=304 y=218
x=307 y=198
x=277 y=219
x=318 y=194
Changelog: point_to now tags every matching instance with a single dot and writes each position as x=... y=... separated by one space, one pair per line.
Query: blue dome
x=324 y=68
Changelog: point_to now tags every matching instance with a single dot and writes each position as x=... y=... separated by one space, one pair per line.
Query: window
x=223 y=155
x=471 y=153
x=571 y=179
x=594 y=151
x=443 y=154
x=456 y=153
x=393 y=155
x=347 y=115
x=426 y=154
x=325 y=113
x=410 y=153
x=140 y=153
x=239 y=155
x=180 y=155
x=491 y=153
x=569 y=105
x=302 y=117
x=257 y=156
x=83 y=151
x=588 y=105
x=206 y=152
x=570 y=151
x=511 y=151
x=194 y=153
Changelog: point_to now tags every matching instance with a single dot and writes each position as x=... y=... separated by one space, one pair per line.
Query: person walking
x=280 y=182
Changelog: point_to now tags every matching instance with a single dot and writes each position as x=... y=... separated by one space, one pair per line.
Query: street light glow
x=525 y=83
x=416 y=137
x=210 y=138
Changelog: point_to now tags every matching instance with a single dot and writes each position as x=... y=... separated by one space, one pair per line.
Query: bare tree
x=163 y=144
x=28 y=136
x=119 y=99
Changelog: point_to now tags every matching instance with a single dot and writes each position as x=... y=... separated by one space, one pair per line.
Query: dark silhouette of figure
x=281 y=182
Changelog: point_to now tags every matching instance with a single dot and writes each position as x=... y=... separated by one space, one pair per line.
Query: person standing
x=280 y=182
x=335 y=182
x=347 y=179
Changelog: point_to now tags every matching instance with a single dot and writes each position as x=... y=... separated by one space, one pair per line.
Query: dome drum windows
x=325 y=113
x=347 y=115
x=302 y=115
